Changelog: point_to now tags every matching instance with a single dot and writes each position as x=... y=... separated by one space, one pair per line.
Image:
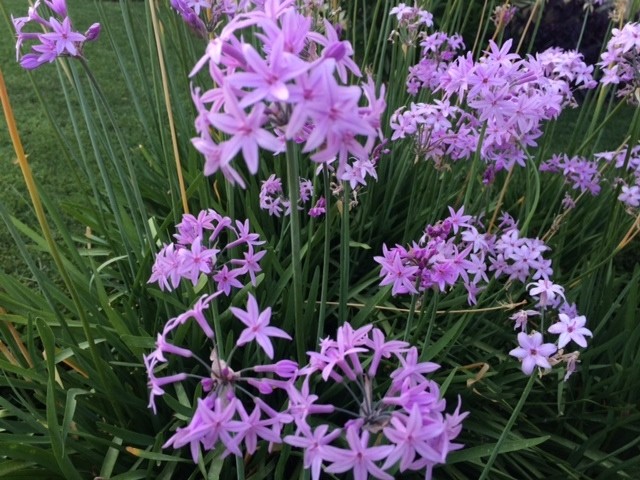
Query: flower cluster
x=568 y=68
x=456 y=251
x=438 y=49
x=532 y=351
x=202 y=246
x=495 y=104
x=627 y=160
x=203 y=16
x=58 y=40
x=579 y=172
x=273 y=200
x=410 y=21
x=232 y=411
x=584 y=174
x=406 y=426
x=621 y=60
x=290 y=87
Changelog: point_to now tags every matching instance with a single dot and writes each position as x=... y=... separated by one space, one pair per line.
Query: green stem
x=507 y=428
x=293 y=182
x=412 y=311
x=240 y=468
x=344 y=255
x=326 y=252
x=584 y=26
x=432 y=318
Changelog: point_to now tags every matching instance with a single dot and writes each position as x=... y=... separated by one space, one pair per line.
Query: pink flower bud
x=93 y=32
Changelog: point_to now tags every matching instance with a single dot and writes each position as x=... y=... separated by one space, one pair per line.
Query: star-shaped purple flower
x=258 y=327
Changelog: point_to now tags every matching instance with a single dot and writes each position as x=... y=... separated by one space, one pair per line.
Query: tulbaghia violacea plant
x=59 y=38
x=212 y=245
x=384 y=421
x=292 y=87
x=457 y=251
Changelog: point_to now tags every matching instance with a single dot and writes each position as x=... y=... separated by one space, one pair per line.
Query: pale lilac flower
x=548 y=293
x=630 y=195
x=571 y=328
x=212 y=423
x=532 y=352
x=251 y=263
x=411 y=438
x=246 y=130
x=521 y=318
x=458 y=219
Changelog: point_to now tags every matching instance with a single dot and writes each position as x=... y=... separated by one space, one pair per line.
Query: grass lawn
x=50 y=168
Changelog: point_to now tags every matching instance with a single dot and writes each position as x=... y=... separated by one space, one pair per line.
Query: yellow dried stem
x=8 y=355
x=21 y=346
x=157 y=32
x=502 y=306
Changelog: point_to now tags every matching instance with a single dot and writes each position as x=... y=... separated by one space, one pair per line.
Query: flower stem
x=412 y=312
x=293 y=182
x=508 y=426
x=326 y=251
x=344 y=255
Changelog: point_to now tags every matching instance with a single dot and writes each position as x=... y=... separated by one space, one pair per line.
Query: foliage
x=82 y=329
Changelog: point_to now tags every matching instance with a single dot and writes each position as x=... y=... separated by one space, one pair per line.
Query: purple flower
x=547 y=292
x=315 y=445
x=294 y=81
x=358 y=457
x=571 y=328
x=63 y=37
x=212 y=422
x=397 y=273
x=246 y=130
x=532 y=352
x=521 y=318
x=319 y=209
x=411 y=438
x=258 y=327
x=251 y=428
